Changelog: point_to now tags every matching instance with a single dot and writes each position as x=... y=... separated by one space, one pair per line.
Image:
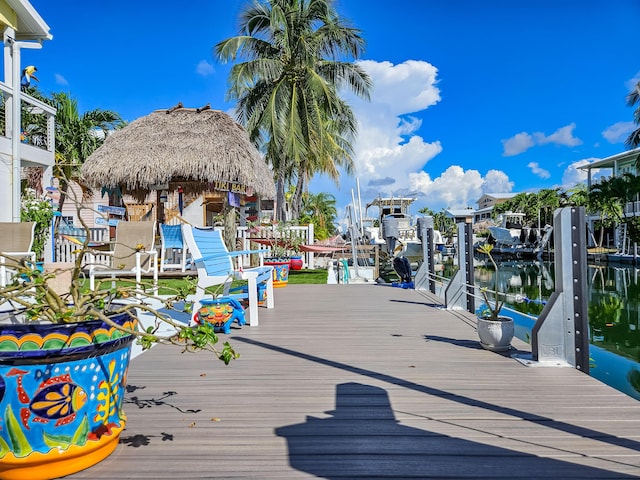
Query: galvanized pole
x=560 y=335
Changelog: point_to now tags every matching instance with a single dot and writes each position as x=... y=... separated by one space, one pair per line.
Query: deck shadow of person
x=363 y=439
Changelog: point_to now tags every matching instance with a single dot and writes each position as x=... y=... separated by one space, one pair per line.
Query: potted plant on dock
x=64 y=354
x=495 y=331
x=280 y=260
x=282 y=241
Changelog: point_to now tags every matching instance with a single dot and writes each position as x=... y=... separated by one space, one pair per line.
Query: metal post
x=425 y=276
x=560 y=335
x=460 y=290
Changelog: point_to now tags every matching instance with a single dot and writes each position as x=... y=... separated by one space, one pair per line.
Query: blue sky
x=469 y=97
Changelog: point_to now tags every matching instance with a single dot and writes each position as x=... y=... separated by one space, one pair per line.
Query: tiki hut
x=196 y=150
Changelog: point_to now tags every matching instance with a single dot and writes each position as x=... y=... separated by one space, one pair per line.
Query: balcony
x=632 y=208
x=37 y=134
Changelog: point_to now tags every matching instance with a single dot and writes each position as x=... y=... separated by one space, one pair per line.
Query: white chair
x=215 y=267
x=16 y=241
x=133 y=254
x=171 y=239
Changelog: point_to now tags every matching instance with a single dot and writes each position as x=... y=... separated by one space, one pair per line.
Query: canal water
x=614 y=313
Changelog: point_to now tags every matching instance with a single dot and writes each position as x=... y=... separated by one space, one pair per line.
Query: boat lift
x=560 y=335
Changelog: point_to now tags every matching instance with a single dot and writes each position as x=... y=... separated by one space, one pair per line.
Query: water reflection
x=614 y=313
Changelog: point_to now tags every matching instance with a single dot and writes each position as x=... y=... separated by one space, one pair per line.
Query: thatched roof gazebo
x=199 y=150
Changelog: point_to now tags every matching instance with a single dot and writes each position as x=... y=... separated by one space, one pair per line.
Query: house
x=600 y=170
x=26 y=124
x=460 y=216
x=486 y=204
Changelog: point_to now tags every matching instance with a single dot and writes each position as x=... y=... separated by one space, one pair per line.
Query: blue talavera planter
x=61 y=393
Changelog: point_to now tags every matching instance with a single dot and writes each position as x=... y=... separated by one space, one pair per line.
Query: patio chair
x=16 y=240
x=171 y=239
x=127 y=258
x=214 y=264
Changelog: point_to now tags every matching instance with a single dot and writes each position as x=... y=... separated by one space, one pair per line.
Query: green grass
x=169 y=286
x=308 y=277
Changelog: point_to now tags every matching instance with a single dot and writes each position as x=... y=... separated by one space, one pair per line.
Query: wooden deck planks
x=370 y=382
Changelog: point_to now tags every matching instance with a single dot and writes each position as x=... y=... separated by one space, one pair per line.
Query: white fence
x=65 y=247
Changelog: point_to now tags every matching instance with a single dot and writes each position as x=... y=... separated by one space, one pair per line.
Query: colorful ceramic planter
x=61 y=393
x=221 y=312
x=280 y=271
x=296 y=262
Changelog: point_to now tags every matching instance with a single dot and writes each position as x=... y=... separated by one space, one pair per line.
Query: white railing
x=64 y=249
x=302 y=235
x=632 y=208
x=37 y=123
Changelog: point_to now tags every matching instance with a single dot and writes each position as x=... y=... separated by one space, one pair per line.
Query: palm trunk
x=229 y=221
x=296 y=201
x=281 y=211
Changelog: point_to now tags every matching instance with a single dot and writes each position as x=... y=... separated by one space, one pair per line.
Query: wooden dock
x=367 y=381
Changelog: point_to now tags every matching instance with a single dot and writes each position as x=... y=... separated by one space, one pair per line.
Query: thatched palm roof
x=180 y=146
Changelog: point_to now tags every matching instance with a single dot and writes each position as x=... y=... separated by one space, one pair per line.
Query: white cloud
x=496 y=181
x=204 y=68
x=618 y=132
x=404 y=88
x=517 y=144
x=538 y=171
x=457 y=188
x=572 y=175
x=389 y=156
x=523 y=141
x=386 y=146
x=60 y=80
x=563 y=136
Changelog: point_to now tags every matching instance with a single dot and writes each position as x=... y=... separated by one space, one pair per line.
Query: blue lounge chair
x=214 y=264
x=171 y=239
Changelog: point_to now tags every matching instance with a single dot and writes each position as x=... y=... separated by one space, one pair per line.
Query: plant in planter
x=282 y=241
x=63 y=359
x=494 y=330
x=40 y=211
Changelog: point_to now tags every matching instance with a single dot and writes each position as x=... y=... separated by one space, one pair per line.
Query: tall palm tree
x=77 y=136
x=287 y=87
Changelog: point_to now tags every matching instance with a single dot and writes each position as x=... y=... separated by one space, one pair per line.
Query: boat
x=393 y=229
x=513 y=239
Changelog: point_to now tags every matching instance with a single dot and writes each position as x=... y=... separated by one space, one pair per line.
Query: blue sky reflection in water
x=614 y=314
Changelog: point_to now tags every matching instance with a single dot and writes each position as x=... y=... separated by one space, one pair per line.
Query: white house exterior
x=22 y=28
x=486 y=204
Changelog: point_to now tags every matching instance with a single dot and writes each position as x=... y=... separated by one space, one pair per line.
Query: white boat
x=395 y=228
x=512 y=238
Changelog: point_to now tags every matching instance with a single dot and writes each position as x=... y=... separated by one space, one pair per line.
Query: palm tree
x=287 y=87
x=633 y=98
x=547 y=201
x=320 y=209
x=77 y=137
x=604 y=197
x=576 y=196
